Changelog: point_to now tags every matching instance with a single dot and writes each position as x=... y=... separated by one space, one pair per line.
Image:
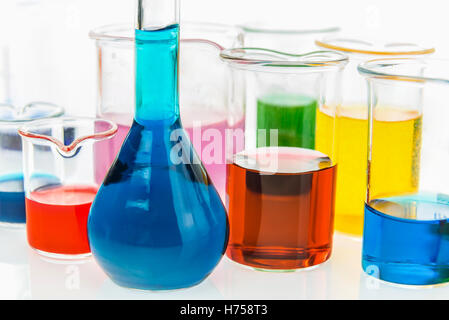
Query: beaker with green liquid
x=351 y=124
x=279 y=98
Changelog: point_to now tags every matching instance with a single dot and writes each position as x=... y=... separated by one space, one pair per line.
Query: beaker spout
x=68 y=134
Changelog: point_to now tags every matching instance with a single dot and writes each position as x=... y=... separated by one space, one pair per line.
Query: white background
x=50 y=52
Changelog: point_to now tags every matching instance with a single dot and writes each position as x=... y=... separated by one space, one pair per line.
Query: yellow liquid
x=395 y=157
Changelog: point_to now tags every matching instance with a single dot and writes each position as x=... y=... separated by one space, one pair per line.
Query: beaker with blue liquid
x=406 y=227
x=157 y=222
x=12 y=194
x=203 y=90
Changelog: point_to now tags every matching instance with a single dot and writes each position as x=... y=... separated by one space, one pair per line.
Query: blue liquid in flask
x=157 y=222
x=12 y=199
x=406 y=239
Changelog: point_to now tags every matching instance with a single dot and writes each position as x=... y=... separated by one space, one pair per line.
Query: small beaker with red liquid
x=281 y=187
x=60 y=184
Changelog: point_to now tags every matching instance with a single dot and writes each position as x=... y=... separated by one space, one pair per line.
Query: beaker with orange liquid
x=281 y=187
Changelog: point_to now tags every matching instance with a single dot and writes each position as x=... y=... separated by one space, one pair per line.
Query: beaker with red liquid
x=281 y=187
x=60 y=185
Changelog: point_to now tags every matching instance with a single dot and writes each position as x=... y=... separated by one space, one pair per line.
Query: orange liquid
x=282 y=220
x=57 y=219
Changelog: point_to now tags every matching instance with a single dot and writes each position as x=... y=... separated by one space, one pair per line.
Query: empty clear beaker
x=281 y=167
x=406 y=232
x=352 y=125
x=203 y=86
x=285 y=37
x=60 y=183
x=12 y=196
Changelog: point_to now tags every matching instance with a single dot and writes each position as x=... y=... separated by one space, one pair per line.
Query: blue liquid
x=406 y=239
x=12 y=199
x=155 y=223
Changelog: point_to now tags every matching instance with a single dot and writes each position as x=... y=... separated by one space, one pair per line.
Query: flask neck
x=157 y=50
x=157 y=97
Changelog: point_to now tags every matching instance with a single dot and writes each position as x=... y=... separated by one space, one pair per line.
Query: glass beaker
x=281 y=170
x=203 y=88
x=59 y=182
x=352 y=126
x=285 y=37
x=406 y=232
x=157 y=223
x=12 y=194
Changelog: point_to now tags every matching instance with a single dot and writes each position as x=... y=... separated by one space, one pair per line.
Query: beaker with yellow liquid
x=351 y=132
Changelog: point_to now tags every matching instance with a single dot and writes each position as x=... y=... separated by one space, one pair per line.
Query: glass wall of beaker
x=284 y=37
x=12 y=196
x=60 y=182
x=352 y=126
x=406 y=232
x=281 y=167
x=203 y=87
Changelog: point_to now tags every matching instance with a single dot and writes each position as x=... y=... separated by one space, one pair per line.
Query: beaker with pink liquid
x=204 y=83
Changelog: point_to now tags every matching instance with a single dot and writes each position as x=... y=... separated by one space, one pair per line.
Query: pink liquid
x=209 y=140
x=207 y=133
x=105 y=152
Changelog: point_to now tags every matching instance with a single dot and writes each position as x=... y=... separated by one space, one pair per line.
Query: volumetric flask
x=203 y=89
x=158 y=222
x=406 y=232
x=285 y=37
x=352 y=126
x=59 y=182
x=12 y=196
x=281 y=169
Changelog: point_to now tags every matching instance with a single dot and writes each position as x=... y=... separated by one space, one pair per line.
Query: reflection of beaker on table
x=59 y=182
x=12 y=196
x=204 y=85
x=237 y=283
x=5 y=94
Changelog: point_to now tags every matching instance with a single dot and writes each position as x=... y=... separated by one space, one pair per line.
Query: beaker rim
x=30 y=131
x=372 y=47
x=264 y=28
x=400 y=69
x=123 y=32
x=45 y=110
x=256 y=58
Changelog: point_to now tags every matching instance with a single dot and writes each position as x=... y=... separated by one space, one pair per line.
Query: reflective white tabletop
x=26 y=275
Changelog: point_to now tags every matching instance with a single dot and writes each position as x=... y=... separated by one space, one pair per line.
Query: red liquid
x=281 y=212
x=57 y=219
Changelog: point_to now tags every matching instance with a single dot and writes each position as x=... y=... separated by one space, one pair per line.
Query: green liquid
x=294 y=116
